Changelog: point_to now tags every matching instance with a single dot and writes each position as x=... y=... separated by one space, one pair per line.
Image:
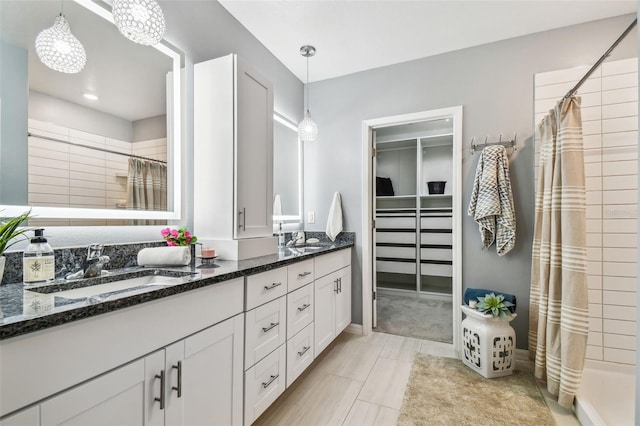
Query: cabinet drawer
x=437 y=270
x=265 y=330
x=395 y=267
x=328 y=263
x=396 y=252
x=436 y=254
x=396 y=237
x=299 y=353
x=443 y=238
x=435 y=223
x=396 y=222
x=263 y=383
x=300 y=274
x=266 y=286
x=300 y=309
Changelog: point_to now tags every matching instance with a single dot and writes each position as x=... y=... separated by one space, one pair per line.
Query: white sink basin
x=117 y=287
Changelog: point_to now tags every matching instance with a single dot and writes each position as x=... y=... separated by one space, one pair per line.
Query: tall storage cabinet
x=233 y=154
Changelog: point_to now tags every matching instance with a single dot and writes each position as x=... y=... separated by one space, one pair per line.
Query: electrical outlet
x=311 y=217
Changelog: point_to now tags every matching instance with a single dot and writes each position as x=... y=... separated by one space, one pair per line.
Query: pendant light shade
x=60 y=50
x=307 y=129
x=141 y=21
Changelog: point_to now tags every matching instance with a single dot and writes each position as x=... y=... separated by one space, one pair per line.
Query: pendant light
x=141 y=21
x=307 y=129
x=60 y=50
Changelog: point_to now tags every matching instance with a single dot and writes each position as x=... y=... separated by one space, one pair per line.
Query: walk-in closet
x=414 y=228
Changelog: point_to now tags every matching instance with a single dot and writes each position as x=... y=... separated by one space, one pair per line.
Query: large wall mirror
x=71 y=144
x=287 y=171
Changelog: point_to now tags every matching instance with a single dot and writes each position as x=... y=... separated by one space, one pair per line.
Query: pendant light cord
x=307 y=84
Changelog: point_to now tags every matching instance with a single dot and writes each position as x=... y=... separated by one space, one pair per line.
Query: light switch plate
x=311 y=217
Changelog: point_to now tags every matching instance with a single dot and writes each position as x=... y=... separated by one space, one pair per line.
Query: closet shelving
x=413 y=227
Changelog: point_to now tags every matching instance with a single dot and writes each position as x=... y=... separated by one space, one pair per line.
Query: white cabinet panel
x=299 y=309
x=328 y=263
x=343 y=300
x=265 y=330
x=300 y=274
x=436 y=254
x=435 y=223
x=264 y=382
x=396 y=237
x=437 y=270
x=117 y=398
x=266 y=286
x=299 y=353
x=326 y=289
x=395 y=267
x=436 y=238
x=395 y=222
x=396 y=252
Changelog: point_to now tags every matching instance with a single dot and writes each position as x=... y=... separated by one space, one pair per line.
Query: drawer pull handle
x=273 y=325
x=303 y=307
x=271 y=379
x=179 y=387
x=340 y=285
x=274 y=285
x=304 y=350
x=336 y=289
x=161 y=400
x=304 y=274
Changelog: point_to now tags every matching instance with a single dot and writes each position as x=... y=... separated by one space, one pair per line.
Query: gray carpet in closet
x=415 y=317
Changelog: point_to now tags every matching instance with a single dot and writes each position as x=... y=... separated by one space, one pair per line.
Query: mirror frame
x=174 y=151
x=292 y=218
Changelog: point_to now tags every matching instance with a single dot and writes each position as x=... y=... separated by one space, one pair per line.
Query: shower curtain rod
x=95 y=148
x=602 y=58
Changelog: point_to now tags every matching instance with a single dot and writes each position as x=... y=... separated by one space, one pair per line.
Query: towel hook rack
x=511 y=143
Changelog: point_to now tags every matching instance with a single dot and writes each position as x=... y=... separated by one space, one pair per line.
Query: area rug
x=443 y=391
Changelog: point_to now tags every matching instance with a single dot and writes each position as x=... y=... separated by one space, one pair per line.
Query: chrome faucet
x=297 y=238
x=94 y=261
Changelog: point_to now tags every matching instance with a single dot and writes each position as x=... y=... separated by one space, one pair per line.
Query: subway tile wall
x=63 y=175
x=610 y=132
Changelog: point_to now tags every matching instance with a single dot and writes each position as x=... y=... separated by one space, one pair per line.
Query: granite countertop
x=26 y=310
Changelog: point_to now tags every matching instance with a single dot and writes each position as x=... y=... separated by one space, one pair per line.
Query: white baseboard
x=354 y=328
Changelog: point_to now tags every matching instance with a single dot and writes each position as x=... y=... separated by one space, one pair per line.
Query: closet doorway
x=414 y=220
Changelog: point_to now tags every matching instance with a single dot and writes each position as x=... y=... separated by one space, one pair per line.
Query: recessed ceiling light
x=90 y=96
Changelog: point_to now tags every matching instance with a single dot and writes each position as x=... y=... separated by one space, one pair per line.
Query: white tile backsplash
x=620 y=341
x=610 y=140
x=629 y=328
x=620 y=298
x=628 y=284
x=620 y=356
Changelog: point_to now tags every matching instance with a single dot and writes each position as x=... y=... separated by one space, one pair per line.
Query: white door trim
x=455 y=113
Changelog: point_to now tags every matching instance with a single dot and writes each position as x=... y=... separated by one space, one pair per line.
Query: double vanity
x=203 y=344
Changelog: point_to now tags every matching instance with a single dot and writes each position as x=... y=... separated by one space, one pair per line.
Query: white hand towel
x=277 y=205
x=334 y=222
x=165 y=256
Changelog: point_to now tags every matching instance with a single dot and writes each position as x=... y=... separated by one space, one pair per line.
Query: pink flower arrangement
x=178 y=237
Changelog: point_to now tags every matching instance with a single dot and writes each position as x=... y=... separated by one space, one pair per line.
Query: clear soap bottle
x=38 y=261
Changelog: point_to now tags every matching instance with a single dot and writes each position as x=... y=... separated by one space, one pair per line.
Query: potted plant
x=494 y=305
x=9 y=232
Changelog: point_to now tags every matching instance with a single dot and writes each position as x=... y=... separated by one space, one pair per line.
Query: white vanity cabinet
x=233 y=151
x=108 y=369
x=332 y=297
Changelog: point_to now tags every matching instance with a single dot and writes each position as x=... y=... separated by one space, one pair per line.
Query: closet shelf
x=443 y=196
x=395 y=197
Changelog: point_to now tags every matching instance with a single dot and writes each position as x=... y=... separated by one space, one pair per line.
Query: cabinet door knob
x=304 y=350
x=274 y=285
x=179 y=387
x=271 y=379
x=273 y=325
x=304 y=274
x=161 y=400
x=303 y=307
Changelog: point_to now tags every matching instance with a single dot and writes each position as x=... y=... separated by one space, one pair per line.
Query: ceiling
x=356 y=35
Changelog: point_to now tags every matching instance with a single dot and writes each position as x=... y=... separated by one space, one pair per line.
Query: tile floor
x=360 y=380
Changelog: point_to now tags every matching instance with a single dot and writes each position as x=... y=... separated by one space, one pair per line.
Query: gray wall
x=494 y=84
x=150 y=128
x=14 y=87
x=74 y=116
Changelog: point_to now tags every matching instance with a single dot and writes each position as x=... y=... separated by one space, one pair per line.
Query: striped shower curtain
x=146 y=185
x=558 y=316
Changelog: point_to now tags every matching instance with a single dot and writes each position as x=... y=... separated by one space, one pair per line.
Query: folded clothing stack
x=165 y=256
x=474 y=293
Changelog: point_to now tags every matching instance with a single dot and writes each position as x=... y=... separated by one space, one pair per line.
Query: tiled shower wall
x=610 y=130
x=63 y=175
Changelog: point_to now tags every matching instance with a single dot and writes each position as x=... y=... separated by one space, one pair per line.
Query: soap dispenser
x=38 y=261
